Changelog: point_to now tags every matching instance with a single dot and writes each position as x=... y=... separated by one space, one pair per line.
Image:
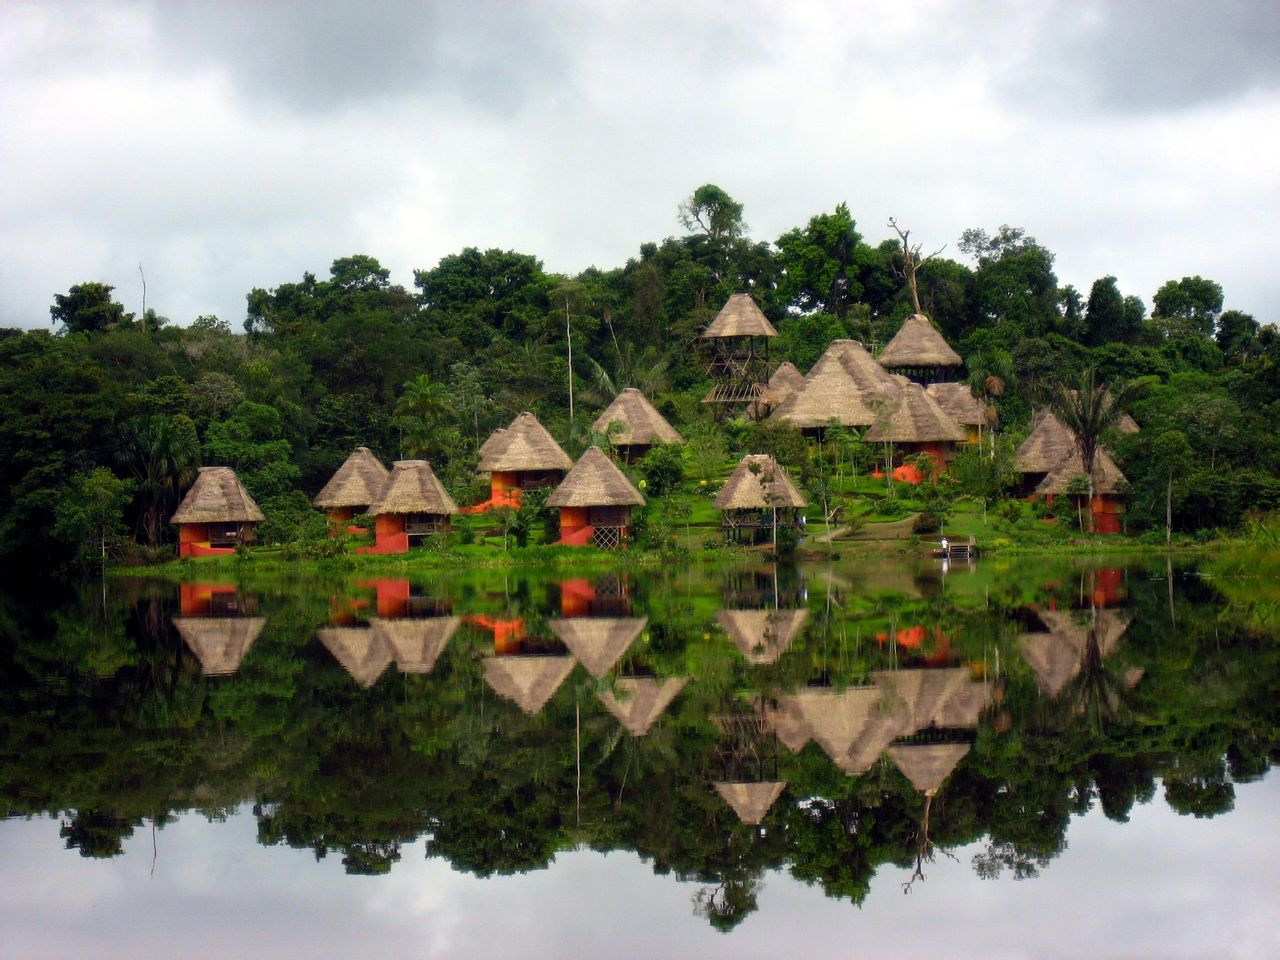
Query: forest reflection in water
x=822 y=721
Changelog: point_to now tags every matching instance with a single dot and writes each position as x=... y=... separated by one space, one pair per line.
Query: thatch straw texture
x=750 y=801
x=595 y=481
x=759 y=483
x=1107 y=478
x=416 y=644
x=598 y=642
x=917 y=699
x=637 y=702
x=927 y=765
x=528 y=682
x=915 y=417
x=840 y=388
x=219 y=643
x=217 y=496
x=642 y=424
x=524 y=445
x=363 y=653
x=785 y=381
x=959 y=403
x=495 y=442
x=357 y=483
x=762 y=635
x=839 y=721
x=918 y=344
x=740 y=317
x=1058 y=656
x=414 y=488
x=1048 y=443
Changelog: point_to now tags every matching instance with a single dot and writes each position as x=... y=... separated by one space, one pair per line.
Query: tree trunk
x=1168 y=512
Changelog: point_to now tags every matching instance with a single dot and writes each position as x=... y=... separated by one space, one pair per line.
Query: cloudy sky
x=226 y=145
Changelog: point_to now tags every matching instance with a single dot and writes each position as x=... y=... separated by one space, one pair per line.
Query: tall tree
x=87 y=308
x=819 y=264
x=162 y=454
x=1189 y=306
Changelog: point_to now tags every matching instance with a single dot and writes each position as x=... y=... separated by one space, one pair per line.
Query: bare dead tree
x=911 y=262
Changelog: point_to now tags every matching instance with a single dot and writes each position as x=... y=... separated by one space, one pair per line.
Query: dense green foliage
x=328 y=364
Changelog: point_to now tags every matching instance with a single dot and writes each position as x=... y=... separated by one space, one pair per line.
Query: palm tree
x=1089 y=407
x=990 y=375
x=424 y=403
x=162 y=453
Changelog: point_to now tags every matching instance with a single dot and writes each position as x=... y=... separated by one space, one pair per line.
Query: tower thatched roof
x=219 y=643
x=640 y=419
x=528 y=682
x=523 y=445
x=414 y=488
x=217 y=496
x=416 y=644
x=918 y=344
x=759 y=483
x=959 y=403
x=762 y=635
x=637 y=702
x=839 y=388
x=915 y=417
x=363 y=653
x=750 y=801
x=357 y=483
x=740 y=317
x=595 y=481
x=598 y=642
x=927 y=765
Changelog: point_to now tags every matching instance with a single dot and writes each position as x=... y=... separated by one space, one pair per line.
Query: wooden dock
x=966 y=551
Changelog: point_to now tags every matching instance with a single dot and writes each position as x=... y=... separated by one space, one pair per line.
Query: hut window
x=607 y=516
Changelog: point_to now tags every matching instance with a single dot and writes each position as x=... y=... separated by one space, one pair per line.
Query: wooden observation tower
x=738 y=353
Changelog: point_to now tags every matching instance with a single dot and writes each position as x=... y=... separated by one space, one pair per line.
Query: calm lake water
x=1022 y=758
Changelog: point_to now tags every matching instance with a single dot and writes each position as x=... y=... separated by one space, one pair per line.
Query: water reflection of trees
x=1032 y=703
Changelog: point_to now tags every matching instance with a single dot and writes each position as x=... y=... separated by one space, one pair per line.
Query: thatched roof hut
x=598 y=642
x=363 y=653
x=414 y=488
x=840 y=388
x=1058 y=656
x=637 y=702
x=927 y=765
x=219 y=643
x=642 y=424
x=1107 y=478
x=759 y=483
x=217 y=496
x=416 y=644
x=915 y=417
x=523 y=446
x=357 y=483
x=740 y=317
x=528 y=682
x=918 y=344
x=595 y=481
x=784 y=382
x=959 y=403
x=1048 y=443
x=750 y=801
x=762 y=635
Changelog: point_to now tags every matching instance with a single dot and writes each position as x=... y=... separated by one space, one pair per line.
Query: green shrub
x=662 y=469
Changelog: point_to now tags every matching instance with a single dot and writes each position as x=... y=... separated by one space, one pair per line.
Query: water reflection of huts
x=218 y=624
x=1058 y=653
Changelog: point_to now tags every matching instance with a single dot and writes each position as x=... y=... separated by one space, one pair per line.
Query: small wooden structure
x=521 y=456
x=354 y=488
x=642 y=427
x=414 y=505
x=914 y=423
x=959 y=403
x=919 y=352
x=216 y=514
x=758 y=494
x=738 y=361
x=595 y=502
x=1108 y=503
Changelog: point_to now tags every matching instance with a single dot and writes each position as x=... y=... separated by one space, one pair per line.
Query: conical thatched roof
x=835 y=389
x=416 y=644
x=759 y=483
x=496 y=441
x=595 y=481
x=918 y=344
x=640 y=419
x=750 y=801
x=1107 y=478
x=784 y=382
x=357 y=483
x=915 y=417
x=959 y=403
x=927 y=765
x=1048 y=443
x=598 y=642
x=524 y=445
x=919 y=699
x=219 y=643
x=740 y=317
x=528 y=682
x=762 y=635
x=1057 y=656
x=637 y=702
x=842 y=722
x=363 y=653
x=217 y=496
x=413 y=488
